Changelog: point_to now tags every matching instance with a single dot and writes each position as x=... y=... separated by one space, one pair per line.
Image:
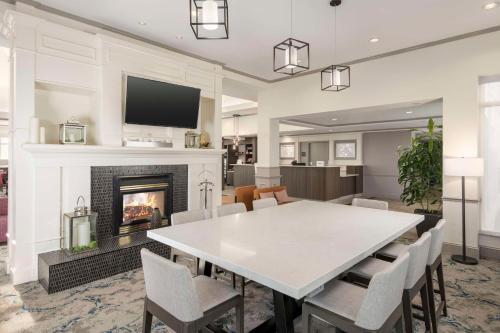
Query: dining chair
x=434 y=265
x=352 y=308
x=187 y=217
x=369 y=203
x=264 y=203
x=224 y=210
x=183 y=303
x=415 y=282
x=232 y=208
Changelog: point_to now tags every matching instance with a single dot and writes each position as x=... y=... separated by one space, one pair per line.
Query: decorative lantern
x=79 y=229
x=209 y=19
x=73 y=132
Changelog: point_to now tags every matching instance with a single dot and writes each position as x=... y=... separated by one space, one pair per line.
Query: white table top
x=293 y=248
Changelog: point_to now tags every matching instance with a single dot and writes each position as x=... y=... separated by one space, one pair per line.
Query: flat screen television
x=156 y=103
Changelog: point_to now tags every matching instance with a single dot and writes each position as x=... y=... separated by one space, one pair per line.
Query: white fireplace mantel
x=73 y=155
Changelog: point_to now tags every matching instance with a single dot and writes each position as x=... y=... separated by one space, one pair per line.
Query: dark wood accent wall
x=244 y=175
x=320 y=183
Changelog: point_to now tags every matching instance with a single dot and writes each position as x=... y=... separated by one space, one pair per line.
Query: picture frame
x=287 y=151
x=345 y=149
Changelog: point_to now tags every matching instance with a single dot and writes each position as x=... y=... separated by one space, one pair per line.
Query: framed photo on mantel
x=345 y=149
x=287 y=151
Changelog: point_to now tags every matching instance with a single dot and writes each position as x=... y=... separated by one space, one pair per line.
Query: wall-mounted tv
x=156 y=103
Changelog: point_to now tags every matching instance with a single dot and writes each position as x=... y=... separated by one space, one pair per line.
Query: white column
x=267 y=171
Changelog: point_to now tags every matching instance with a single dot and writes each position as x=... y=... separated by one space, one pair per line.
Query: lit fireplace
x=140 y=206
x=134 y=201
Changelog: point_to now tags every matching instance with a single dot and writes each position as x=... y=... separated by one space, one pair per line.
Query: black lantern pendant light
x=335 y=77
x=291 y=56
x=209 y=19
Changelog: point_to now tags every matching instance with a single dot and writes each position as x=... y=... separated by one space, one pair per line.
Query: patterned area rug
x=115 y=304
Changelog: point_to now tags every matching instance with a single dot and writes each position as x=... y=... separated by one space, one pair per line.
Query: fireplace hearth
x=136 y=197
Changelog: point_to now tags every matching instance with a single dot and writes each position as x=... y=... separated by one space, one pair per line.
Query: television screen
x=156 y=103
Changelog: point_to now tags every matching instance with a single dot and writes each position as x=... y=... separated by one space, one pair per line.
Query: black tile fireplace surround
x=59 y=271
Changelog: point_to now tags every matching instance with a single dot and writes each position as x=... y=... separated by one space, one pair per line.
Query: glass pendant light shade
x=291 y=57
x=209 y=19
x=335 y=78
x=210 y=14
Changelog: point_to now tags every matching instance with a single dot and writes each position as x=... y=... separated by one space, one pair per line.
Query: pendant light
x=236 y=129
x=335 y=77
x=291 y=56
x=209 y=19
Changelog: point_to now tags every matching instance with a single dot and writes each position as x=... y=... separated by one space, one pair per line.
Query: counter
x=322 y=183
x=244 y=174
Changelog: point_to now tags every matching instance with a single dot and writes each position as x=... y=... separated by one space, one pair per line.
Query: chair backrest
x=369 y=203
x=257 y=192
x=230 y=209
x=170 y=286
x=383 y=294
x=189 y=216
x=264 y=203
x=245 y=194
x=437 y=241
x=419 y=253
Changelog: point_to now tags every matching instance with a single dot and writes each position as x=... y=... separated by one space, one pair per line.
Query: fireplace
x=136 y=197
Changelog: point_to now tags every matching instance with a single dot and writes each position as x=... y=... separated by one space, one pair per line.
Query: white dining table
x=293 y=249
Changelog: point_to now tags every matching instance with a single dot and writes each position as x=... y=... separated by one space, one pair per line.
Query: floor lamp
x=464 y=167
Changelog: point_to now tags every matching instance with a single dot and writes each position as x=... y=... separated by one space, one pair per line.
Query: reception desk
x=244 y=174
x=322 y=183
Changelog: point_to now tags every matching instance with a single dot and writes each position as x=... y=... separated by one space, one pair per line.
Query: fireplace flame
x=140 y=206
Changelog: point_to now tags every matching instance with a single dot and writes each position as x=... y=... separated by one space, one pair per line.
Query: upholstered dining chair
x=183 y=303
x=434 y=265
x=187 y=217
x=352 y=308
x=415 y=283
x=369 y=203
x=230 y=209
x=264 y=203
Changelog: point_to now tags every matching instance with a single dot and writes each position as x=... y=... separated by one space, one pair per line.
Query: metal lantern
x=79 y=229
x=209 y=19
x=73 y=132
x=291 y=57
x=335 y=78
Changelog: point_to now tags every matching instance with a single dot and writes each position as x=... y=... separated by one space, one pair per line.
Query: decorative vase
x=156 y=218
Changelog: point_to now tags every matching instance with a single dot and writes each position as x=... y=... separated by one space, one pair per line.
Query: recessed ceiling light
x=490 y=5
x=409 y=112
x=334 y=119
x=374 y=40
x=142 y=23
x=179 y=37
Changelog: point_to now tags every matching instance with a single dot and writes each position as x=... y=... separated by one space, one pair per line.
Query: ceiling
x=256 y=26
x=379 y=118
x=237 y=106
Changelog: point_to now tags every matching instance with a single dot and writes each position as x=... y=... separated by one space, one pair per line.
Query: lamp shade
x=463 y=166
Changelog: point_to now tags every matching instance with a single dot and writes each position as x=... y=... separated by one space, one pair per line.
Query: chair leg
x=197 y=266
x=424 y=295
x=233 y=278
x=242 y=287
x=400 y=325
x=407 y=312
x=240 y=318
x=432 y=303
x=306 y=319
x=147 y=318
x=442 y=291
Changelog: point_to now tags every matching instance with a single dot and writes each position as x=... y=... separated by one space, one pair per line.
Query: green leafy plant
x=421 y=170
x=82 y=248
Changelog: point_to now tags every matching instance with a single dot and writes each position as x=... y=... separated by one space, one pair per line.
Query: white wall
x=449 y=71
x=331 y=139
x=247 y=126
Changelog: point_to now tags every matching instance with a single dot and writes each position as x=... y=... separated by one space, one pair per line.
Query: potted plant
x=420 y=173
